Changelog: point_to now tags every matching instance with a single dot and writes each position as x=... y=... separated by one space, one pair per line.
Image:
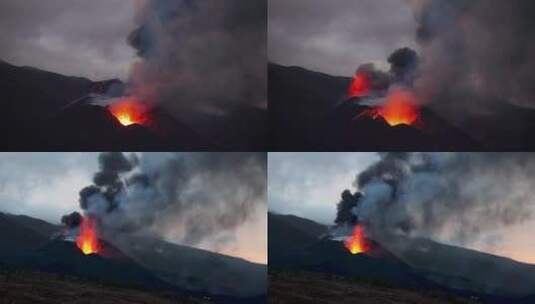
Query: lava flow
x=87 y=239
x=360 y=85
x=129 y=112
x=357 y=243
x=400 y=108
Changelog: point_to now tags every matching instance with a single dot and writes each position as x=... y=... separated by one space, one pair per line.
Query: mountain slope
x=139 y=262
x=310 y=111
x=16 y=237
x=408 y=263
x=462 y=268
x=287 y=233
x=47 y=111
x=41 y=227
x=85 y=127
x=298 y=102
x=196 y=270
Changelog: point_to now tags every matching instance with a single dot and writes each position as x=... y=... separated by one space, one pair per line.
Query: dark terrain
x=310 y=287
x=148 y=266
x=309 y=111
x=45 y=111
x=43 y=288
x=301 y=255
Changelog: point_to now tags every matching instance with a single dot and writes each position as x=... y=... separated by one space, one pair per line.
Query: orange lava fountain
x=129 y=112
x=87 y=239
x=357 y=243
x=360 y=85
x=400 y=108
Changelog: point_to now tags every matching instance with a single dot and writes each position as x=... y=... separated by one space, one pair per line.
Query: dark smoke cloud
x=189 y=197
x=72 y=220
x=201 y=56
x=478 y=53
x=455 y=197
x=349 y=201
x=107 y=181
x=404 y=63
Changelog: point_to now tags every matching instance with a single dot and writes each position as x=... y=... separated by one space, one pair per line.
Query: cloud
x=43 y=185
x=337 y=36
x=78 y=37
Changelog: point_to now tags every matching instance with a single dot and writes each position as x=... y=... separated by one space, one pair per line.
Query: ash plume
x=455 y=197
x=200 y=56
x=189 y=198
x=477 y=54
x=404 y=64
x=72 y=220
x=345 y=209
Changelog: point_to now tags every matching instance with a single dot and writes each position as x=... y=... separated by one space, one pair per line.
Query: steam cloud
x=477 y=54
x=455 y=197
x=188 y=197
x=200 y=56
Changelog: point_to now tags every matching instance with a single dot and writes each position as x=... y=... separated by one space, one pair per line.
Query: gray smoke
x=189 y=198
x=477 y=54
x=404 y=65
x=454 y=197
x=200 y=56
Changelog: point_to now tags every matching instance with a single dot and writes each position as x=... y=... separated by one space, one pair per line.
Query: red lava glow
x=87 y=239
x=357 y=243
x=400 y=108
x=129 y=112
x=360 y=85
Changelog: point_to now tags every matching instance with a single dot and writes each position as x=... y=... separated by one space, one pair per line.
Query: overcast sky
x=44 y=185
x=310 y=184
x=88 y=38
x=72 y=37
x=47 y=186
x=336 y=36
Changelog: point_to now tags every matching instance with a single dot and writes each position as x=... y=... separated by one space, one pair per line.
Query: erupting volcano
x=400 y=108
x=87 y=239
x=360 y=85
x=129 y=111
x=357 y=243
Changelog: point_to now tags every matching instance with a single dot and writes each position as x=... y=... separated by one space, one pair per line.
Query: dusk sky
x=337 y=36
x=47 y=186
x=75 y=37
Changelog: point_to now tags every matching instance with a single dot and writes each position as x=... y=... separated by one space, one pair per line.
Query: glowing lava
x=129 y=112
x=357 y=243
x=400 y=108
x=360 y=85
x=87 y=239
